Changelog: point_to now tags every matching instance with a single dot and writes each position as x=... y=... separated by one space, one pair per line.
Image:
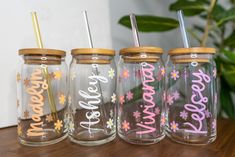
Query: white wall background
x=62 y=27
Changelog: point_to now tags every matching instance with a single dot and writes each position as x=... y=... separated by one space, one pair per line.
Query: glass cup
x=191 y=97
x=41 y=96
x=92 y=118
x=140 y=93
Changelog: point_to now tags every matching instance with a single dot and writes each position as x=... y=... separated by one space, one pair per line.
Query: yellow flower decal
x=58 y=125
x=57 y=75
x=62 y=99
x=49 y=118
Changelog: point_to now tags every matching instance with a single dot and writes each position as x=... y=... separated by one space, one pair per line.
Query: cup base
x=38 y=144
x=195 y=142
x=93 y=143
x=142 y=141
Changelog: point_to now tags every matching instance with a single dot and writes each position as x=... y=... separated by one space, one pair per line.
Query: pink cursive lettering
x=147 y=73
x=198 y=101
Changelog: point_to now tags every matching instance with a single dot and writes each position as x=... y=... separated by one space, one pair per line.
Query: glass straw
x=182 y=28
x=44 y=67
x=134 y=30
x=96 y=68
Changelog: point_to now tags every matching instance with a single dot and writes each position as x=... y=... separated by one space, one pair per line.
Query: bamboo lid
x=90 y=61
x=143 y=49
x=197 y=50
x=39 y=51
x=189 y=60
x=92 y=51
x=138 y=59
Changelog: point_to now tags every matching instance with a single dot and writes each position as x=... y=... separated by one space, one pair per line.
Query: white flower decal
x=113 y=98
x=111 y=73
x=110 y=123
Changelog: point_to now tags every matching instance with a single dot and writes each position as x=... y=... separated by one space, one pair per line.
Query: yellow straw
x=45 y=70
x=37 y=29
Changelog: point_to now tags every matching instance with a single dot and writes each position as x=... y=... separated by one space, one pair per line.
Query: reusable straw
x=134 y=30
x=44 y=67
x=184 y=36
x=96 y=68
x=182 y=28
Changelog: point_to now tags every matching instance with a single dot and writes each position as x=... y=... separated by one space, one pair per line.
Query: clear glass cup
x=140 y=93
x=92 y=118
x=191 y=97
x=41 y=96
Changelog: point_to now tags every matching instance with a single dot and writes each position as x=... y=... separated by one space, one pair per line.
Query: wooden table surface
x=224 y=146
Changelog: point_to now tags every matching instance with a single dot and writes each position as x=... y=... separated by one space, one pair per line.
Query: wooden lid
x=144 y=49
x=38 y=51
x=198 y=50
x=92 y=51
x=39 y=62
x=138 y=58
x=189 y=60
x=90 y=61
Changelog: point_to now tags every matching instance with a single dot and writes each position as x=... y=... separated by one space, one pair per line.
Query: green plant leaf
x=190 y=8
x=226 y=100
x=225 y=16
x=202 y=29
x=228 y=73
x=230 y=55
x=230 y=40
x=217 y=10
x=151 y=23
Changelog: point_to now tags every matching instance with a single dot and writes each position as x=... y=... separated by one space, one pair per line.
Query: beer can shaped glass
x=140 y=95
x=41 y=96
x=191 y=97
x=92 y=96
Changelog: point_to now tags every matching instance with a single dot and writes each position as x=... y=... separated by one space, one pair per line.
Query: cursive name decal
x=198 y=105
x=149 y=118
x=38 y=85
x=93 y=98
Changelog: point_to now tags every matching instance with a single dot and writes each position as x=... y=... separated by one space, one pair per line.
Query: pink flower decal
x=125 y=125
x=207 y=113
x=174 y=74
x=176 y=95
x=129 y=95
x=136 y=114
x=163 y=120
x=121 y=100
x=169 y=99
x=125 y=74
x=174 y=126
x=184 y=114
x=157 y=111
x=214 y=124
x=163 y=71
